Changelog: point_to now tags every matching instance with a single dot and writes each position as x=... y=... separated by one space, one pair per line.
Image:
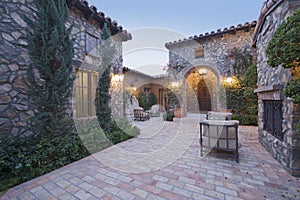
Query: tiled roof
x=267 y=7
x=90 y=12
x=246 y=27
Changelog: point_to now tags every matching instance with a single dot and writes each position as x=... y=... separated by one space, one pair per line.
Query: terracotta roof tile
x=245 y=27
x=267 y=7
x=91 y=12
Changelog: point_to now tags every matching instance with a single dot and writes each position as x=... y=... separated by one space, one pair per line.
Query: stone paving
x=163 y=162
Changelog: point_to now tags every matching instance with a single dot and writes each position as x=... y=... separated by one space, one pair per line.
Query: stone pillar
x=116 y=102
x=184 y=98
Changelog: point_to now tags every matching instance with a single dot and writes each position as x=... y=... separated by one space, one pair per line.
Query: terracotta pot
x=178 y=112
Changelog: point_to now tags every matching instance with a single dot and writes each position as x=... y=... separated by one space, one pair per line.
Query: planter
x=178 y=112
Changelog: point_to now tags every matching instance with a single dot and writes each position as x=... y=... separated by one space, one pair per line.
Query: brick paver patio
x=164 y=163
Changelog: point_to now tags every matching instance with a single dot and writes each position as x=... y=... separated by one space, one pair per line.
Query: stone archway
x=201 y=91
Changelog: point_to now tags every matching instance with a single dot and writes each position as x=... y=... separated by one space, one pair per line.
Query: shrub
x=143 y=100
x=92 y=136
x=250 y=120
x=168 y=116
x=152 y=99
x=122 y=130
x=284 y=47
x=24 y=158
x=49 y=75
x=292 y=90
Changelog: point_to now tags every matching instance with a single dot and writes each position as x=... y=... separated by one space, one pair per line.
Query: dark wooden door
x=204 y=99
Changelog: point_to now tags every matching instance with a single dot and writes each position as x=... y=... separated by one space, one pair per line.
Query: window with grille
x=273 y=118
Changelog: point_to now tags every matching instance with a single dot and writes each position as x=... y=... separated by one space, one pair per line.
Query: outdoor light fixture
x=202 y=71
x=117 y=77
x=175 y=84
x=229 y=79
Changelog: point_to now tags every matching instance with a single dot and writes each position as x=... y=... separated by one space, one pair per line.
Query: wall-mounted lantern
x=175 y=84
x=229 y=79
x=117 y=77
x=202 y=71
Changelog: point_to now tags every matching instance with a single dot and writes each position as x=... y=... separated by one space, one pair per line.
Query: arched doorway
x=201 y=90
x=203 y=96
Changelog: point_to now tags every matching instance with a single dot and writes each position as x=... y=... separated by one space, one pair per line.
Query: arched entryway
x=203 y=96
x=201 y=90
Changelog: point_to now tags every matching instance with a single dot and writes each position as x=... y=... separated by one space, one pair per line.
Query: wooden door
x=204 y=100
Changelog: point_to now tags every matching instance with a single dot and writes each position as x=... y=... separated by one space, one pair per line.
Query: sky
x=153 y=23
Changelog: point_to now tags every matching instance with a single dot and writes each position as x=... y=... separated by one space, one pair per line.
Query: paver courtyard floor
x=163 y=162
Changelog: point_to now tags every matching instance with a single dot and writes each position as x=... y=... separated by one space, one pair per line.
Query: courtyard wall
x=276 y=126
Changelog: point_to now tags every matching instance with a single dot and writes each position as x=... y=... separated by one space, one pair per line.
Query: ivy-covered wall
x=271 y=82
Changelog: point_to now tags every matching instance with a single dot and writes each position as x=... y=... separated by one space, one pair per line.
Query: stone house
x=87 y=22
x=205 y=63
x=277 y=115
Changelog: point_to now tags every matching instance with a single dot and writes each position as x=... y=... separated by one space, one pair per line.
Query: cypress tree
x=102 y=101
x=49 y=74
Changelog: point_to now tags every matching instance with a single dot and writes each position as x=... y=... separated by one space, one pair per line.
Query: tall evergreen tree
x=49 y=74
x=102 y=101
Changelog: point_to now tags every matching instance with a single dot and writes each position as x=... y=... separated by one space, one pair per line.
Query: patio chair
x=140 y=114
x=155 y=110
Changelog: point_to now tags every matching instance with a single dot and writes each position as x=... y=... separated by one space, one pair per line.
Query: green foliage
x=122 y=130
x=92 y=136
x=284 y=47
x=250 y=120
x=152 y=99
x=172 y=99
x=49 y=74
x=241 y=98
x=168 y=116
x=102 y=100
x=292 y=90
x=143 y=100
x=242 y=60
x=250 y=77
x=24 y=158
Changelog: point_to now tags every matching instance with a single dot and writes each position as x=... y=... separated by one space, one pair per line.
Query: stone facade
x=271 y=82
x=209 y=52
x=15 y=108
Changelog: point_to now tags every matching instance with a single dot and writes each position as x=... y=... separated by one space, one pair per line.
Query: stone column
x=184 y=98
x=116 y=102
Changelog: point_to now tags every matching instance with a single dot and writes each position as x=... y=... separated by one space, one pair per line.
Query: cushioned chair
x=154 y=111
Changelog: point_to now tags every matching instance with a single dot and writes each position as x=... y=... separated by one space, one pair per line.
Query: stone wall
x=15 y=108
x=212 y=52
x=271 y=82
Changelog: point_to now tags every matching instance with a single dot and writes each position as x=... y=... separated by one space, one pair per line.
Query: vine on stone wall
x=284 y=49
x=242 y=59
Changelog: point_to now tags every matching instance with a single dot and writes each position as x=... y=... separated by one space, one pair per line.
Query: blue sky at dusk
x=171 y=20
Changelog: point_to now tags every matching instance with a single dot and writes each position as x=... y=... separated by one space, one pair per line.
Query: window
x=91 y=42
x=199 y=52
x=85 y=84
x=273 y=118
